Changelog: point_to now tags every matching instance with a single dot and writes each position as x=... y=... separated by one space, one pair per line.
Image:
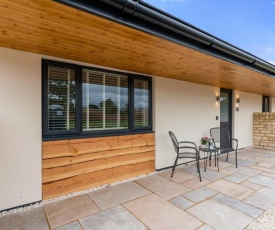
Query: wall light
x=218 y=98
x=238 y=100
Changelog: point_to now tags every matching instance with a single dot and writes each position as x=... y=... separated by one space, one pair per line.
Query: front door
x=225 y=115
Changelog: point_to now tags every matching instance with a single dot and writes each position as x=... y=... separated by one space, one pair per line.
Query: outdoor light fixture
x=218 y=98
x=238 y=100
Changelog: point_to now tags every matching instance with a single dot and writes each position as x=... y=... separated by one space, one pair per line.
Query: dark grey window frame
x=78 y=133
x=264 y=109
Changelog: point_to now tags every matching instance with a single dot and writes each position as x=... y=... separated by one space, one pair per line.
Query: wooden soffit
x=49 y=28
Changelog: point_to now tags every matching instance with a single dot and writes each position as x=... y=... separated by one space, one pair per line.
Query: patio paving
x=230 y=198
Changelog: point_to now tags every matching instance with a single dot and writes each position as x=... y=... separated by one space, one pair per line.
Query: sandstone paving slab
x=209 y=174
x=242 y=162
x=227 y=172
x=116 y=218
x=238 y=205
x=251 y=153
x=181 y=202
x=158 y=214
x=244 y=157
x=231 y=189
x=200 y=194
x=262 y=199
x=236 y=178
x=263 y=169
x=272 y=175
x=243 y=170
x=29 y=220
x=263 y=180
x=195 y=183
x=191 y=168
x=269 y=155
x=179 y=175
x=265 y=159
x=205 y=227
x=163 y=187
x=268 y=151
x=65 y=211
x=251 y=185
x=266 y=165
x=71 y=226
x=222 y=164
x=115 y=195
x=219 y=216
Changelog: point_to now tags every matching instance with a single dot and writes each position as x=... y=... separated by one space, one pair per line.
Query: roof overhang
x=118 y=38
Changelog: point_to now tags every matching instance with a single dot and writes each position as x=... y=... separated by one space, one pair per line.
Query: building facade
x=79 y=113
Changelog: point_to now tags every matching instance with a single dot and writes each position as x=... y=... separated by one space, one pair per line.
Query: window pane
x=141 y=103
x=61 y=98
x=105 y=101
x=224 y=105
x=265 y=104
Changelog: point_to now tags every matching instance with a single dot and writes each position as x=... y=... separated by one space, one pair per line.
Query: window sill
x=97 y=134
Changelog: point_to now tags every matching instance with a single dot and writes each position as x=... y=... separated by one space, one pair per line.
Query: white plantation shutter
x=104 y=101
x=61 y=98
x=141 y=103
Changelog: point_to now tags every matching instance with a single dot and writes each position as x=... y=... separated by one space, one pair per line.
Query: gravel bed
x=266 y=221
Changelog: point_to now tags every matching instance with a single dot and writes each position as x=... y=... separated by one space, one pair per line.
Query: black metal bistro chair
x=223 y=143
x=185 y=149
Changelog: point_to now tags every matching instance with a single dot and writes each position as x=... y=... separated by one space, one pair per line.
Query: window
x=82 y=101
x=141 y=103
x=104 y=101
x=265 y=104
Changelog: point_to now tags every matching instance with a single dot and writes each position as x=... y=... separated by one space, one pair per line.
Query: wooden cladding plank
x=55 y=174
x=95 y=179
x=63 y=161
x=53 y=149
x=91 y=162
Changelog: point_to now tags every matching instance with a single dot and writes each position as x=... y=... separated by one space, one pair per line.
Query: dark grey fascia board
x=142 y=16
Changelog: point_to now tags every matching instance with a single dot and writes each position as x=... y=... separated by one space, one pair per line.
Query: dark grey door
x=225 y=116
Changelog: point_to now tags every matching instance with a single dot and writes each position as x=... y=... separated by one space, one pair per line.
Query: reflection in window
x=224 y=105
x=104 y=101
x=265 y=106
x=141 y=103
x=61 y=98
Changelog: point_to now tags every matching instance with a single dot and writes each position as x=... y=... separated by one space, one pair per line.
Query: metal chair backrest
x=174 y=140
x=221 y=137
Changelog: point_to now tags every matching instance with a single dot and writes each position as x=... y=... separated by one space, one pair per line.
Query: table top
x=206 y=148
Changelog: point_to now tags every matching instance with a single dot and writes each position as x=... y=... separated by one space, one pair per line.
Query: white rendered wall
x=20 y=122
x=243 y=119
x=188 y=110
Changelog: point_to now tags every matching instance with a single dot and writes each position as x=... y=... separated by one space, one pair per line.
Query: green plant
x=205 y=140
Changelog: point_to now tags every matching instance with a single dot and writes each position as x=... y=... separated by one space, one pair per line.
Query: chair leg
x=174 y=167
x=198 y=167
x=205 y=161
x=218 y=161
x=236 y=158
x=227 y=156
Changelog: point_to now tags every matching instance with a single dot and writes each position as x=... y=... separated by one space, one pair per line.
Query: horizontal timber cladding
x=74 y=165
x=52 y=29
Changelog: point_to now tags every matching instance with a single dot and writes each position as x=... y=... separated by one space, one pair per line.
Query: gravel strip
x=44 y=202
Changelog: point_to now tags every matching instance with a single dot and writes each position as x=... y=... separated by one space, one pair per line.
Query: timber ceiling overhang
x=132 y=36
